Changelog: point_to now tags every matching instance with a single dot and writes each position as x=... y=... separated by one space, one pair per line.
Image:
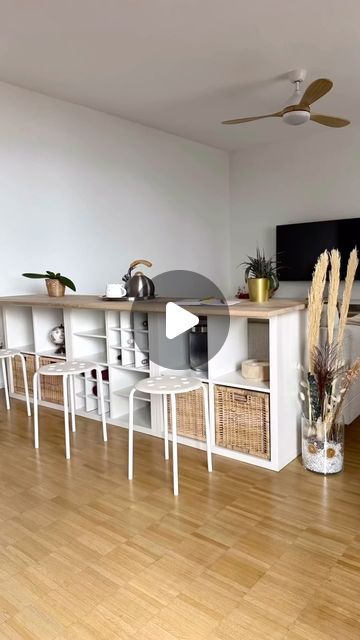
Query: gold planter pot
x=259 y=289
x=55 y=288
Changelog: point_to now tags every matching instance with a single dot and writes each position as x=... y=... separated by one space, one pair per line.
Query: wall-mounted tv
x=298 y=246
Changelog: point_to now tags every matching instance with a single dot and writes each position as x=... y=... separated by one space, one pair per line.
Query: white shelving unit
x=128 y=346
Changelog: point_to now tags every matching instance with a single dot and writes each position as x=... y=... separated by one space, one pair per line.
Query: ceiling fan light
x=296 y=117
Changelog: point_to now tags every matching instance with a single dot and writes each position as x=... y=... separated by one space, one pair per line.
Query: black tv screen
x=298 y=246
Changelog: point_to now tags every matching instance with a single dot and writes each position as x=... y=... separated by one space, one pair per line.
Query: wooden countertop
x=244 y=308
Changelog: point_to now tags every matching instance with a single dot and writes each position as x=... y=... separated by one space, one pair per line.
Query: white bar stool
x=168 y=385
x=68 y=370
x=9 y=354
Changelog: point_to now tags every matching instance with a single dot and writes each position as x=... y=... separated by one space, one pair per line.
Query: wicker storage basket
x=51 y=386
x=242 y=420
x=17 y=373
x=190 y=420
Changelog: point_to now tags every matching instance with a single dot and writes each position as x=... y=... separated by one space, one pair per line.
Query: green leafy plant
x=50 y=275
x=262 y=267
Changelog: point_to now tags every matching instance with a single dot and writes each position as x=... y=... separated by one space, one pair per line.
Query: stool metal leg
x=207 y=427
x=66 y=418
x=36 y=411
x=166 y=428
x=131 y=435
x=100 y=387
x=26 y=386
x=72 y=403
x=174 y=445
x=6 y=388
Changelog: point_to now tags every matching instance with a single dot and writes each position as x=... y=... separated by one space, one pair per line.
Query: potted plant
x=55 y=282
x=327 y=379
x=261 y=276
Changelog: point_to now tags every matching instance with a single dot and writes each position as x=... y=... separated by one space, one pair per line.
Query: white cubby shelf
x=138 y=339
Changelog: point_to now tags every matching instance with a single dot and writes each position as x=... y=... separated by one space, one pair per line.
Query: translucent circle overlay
x=189 y=350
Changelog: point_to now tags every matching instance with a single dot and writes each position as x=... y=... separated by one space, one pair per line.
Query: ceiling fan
x=297 y=109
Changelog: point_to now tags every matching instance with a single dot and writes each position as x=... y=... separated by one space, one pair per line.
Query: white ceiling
x=182 y=66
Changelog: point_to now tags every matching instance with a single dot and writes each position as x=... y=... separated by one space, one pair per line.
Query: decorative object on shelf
x=327 y=381
x=255 y=370
x=198 y=346
x=55 y=282
x=261 y=276
x=242 y=293
x=104 y=374
x=57 y=337
x=115 y=291
x=138 y=285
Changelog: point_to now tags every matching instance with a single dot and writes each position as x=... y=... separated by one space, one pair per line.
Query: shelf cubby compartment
x=127 y=339
x=88 y=331
x=91 y=397
x=126 y=320
x=141 y=359
x=127 y=357
x=246 y=338
x=140 y=321
x=19 y=328
x=141 y=340
x=122 y=380
x=45 y=319
x=142 y=417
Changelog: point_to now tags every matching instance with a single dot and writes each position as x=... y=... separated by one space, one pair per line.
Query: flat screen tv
x=298 y=246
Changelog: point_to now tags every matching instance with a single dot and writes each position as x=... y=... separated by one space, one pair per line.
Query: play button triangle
x=178 y=320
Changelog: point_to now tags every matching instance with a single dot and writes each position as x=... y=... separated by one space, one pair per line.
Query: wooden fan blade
x=240 y=120
x=329 y=121
x=316 y=90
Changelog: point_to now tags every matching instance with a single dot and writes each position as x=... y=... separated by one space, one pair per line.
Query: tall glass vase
x=322 y=450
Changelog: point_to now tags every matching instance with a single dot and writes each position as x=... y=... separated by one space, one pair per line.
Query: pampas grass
x=328 y=381
x=349 y=281
x=316 y=304
x=334 y=281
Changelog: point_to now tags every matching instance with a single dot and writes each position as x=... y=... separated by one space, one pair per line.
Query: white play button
x=178 y=320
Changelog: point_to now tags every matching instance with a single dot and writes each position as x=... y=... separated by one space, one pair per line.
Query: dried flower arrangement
x=328 y=380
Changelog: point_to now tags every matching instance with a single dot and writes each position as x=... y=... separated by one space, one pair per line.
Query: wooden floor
x=243 y=553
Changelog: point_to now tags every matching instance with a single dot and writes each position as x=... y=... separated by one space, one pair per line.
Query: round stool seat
x=66 y=368
x=8 y=353
x=168 y=384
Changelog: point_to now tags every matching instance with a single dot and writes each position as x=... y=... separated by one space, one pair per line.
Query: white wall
x=316 y=178
x=85 y=193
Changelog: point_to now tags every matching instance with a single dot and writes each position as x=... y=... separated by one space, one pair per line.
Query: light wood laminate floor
x=243 y=553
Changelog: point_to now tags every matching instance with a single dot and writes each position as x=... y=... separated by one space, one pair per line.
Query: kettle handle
x=134 y=264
